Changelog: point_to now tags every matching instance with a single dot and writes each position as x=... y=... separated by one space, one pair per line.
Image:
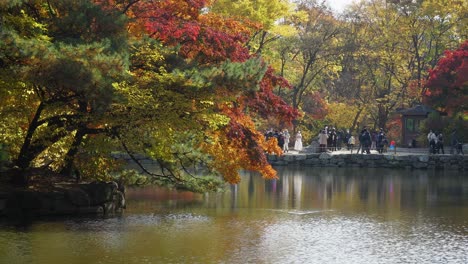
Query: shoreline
x=401 y=159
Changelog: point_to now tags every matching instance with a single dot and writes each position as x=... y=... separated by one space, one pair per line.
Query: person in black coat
x=440 y=143
x=380 y=142
x=366 y=141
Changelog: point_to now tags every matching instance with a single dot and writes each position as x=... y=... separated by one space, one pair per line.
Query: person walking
x=298 y=143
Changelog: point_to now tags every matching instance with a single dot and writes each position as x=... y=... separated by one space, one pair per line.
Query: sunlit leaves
x=167 y=80
x=236 y=81
x=264 y=12
x=240 y=147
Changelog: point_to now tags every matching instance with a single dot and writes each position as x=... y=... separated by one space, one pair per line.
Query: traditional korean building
x=411 y=119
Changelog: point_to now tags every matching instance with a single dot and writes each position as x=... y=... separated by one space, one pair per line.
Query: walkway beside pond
x=398 y=151
x=403 y=158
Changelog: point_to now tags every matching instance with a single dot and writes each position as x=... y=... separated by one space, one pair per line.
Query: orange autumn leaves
x=240 y=146
x=206 y=39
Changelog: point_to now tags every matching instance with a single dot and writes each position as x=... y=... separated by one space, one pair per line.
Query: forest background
x=194 y=83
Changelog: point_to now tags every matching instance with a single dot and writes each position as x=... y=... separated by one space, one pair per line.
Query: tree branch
x=138 y=163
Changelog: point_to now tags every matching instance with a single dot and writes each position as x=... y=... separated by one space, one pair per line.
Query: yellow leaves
x=342 y=114
x=264 y=12
x=207 y=102
x=284 y=30
x=216 y=121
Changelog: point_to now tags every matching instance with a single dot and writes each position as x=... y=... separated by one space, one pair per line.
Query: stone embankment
x=64 y=199
x=411 y=161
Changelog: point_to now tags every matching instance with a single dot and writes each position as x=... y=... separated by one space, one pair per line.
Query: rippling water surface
x=308 y=216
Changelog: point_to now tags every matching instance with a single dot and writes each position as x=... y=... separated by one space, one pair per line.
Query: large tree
x=389 y=50
x=64 y=65
x=447 y=87
x=160 y=78
x=263 y=13
x=308 y=58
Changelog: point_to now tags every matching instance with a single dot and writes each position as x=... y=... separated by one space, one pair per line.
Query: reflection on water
x=309 y=215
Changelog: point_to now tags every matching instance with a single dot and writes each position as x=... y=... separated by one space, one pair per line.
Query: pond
x=309 y=215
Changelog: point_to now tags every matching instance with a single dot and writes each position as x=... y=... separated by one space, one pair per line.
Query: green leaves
x=89 y=84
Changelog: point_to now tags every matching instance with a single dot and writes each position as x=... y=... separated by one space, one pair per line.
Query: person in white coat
x=298 y=143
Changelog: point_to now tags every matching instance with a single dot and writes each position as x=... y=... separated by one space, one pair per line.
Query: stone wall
x=448 y=162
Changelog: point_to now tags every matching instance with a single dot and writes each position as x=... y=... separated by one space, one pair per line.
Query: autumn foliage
x=241 y=146
x=315 y=105
x=206 y=38
x=209 y=39
x=169 y=80
x=447 y=86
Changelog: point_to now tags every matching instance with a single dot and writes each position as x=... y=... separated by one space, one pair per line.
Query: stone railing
x=418 y=161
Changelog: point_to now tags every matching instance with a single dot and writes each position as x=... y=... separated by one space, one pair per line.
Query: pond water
x=309 y=215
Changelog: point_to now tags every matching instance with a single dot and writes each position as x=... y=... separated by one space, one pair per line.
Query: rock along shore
x=64 y=199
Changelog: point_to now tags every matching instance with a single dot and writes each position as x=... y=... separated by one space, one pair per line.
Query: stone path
x=398 y=152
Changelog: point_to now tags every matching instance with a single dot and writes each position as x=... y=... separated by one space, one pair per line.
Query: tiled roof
x=416 y=110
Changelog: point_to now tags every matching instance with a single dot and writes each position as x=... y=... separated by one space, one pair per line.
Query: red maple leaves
x=201 y=35
x=447 y=86
x=210 y=39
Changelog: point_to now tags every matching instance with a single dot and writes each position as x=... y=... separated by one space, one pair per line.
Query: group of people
x=330 y=140
x=283 y=138
x=436 y=143
x=375 y=140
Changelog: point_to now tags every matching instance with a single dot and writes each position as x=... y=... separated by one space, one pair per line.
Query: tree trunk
x=383 y=117
x=356 y=118
x=70 y=156
x=26 y=156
